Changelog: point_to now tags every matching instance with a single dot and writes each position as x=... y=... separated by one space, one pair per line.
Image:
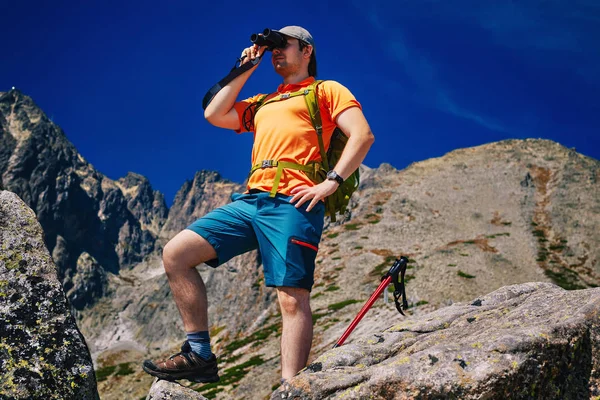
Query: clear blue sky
x=125 y=79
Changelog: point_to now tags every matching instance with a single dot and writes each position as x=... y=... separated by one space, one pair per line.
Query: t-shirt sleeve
x=337 y=98
x=240 y=108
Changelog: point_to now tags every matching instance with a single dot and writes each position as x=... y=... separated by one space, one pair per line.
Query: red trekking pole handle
x=399 y=267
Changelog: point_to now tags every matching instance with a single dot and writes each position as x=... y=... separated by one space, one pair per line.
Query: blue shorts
x=286 y=237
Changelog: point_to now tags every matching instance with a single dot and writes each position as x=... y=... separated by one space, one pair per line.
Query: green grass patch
x=557 y=247
x=353 y=227
x=452 y=265
x=375 y=221
x=341 y=304
x=465 y=275
x=229 y=377
x=380 y=268
x=332 y=288
x=316 y=295
x=421 y=303
x=333 y=235
x=317 y=316
x=336 y=258
x=542 y=255
x=503 y=234
x=566 y=279
x=358 y=248
x=538 y=233
x=103 y=373
x=230 y=360
x=257 y=337
x=364 y=237
x=124 y=369
x=464 y=254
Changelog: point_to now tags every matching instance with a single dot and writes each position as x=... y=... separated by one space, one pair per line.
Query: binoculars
x=269 y=38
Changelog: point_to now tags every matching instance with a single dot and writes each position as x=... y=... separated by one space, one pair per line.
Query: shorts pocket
x=300 y=263
x=305 y=244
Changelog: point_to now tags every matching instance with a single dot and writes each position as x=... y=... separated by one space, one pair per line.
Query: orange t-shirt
x=284 y=132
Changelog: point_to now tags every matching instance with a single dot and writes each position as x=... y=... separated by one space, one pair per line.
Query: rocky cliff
x=42 y=353
x=88 y=219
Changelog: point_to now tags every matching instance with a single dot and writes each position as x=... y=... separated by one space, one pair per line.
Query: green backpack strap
x=337 y=201
x=312 y=103
x=280 y=97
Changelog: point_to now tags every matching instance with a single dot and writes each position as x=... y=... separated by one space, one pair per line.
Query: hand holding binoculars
x=269 y=38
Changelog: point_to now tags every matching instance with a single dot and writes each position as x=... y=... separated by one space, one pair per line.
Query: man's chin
x=280 y=69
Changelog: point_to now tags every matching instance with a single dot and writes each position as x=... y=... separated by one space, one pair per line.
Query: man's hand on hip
x=302 y=194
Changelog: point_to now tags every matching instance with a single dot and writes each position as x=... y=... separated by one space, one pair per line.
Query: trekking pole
x=399 y=268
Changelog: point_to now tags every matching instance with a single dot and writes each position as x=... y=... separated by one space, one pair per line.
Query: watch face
x=331 y=175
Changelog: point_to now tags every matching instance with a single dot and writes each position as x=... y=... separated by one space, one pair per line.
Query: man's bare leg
x=296 y=338
x=180 y=257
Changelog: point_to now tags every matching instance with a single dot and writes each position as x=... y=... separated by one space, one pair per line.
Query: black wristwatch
x=333 y=176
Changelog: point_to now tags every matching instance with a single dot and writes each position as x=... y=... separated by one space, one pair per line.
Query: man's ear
x=308 y=51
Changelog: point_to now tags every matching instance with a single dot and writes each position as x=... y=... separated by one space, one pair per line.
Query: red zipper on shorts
x=310 y=246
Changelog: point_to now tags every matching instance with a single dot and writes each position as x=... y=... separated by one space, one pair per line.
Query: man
x=286 y=228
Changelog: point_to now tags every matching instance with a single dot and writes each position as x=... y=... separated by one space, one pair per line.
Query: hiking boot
x=184 y=365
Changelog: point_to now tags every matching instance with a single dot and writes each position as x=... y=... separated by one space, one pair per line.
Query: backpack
x=338 y=201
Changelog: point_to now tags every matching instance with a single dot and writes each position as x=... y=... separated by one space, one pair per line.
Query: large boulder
x=42 y=353
x=165 y=390
x=527 y=341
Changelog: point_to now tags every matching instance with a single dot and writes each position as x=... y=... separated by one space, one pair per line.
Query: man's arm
x=220 y=111
x=360 y=138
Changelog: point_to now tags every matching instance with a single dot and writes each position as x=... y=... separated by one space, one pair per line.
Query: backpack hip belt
x=312 y=169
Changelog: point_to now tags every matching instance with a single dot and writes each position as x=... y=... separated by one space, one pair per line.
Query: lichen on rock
x=42 y=353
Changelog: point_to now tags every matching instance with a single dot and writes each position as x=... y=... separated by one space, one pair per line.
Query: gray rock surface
x=165 y=390
x=42 y=353
x=528 y=341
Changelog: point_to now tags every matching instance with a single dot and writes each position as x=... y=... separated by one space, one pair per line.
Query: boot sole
x=173 y=376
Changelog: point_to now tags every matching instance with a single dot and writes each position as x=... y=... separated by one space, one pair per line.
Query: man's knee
x=170 y=256
x=293 y=300
x=186 y=250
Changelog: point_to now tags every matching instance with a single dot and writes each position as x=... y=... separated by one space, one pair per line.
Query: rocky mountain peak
x=196 y=197
x=112 y=224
